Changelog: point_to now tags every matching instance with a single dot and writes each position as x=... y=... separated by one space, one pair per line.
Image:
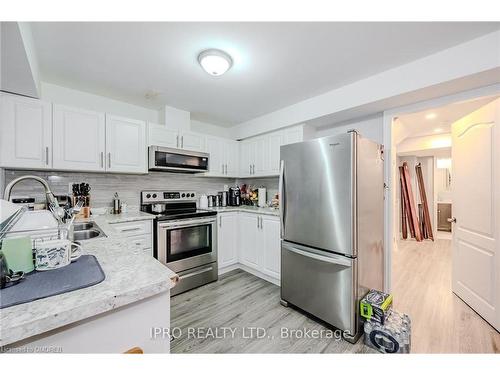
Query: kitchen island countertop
x=131 y=275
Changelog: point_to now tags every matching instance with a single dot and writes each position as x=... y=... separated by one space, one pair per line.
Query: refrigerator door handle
x=281 y=198
x=333 y=259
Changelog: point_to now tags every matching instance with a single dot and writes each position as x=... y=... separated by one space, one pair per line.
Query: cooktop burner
x=172 y=205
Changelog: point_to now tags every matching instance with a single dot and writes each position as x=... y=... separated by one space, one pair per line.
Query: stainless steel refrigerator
x=332 y=227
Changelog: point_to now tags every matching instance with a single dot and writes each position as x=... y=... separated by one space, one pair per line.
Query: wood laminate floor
x=441 y=322
x=239 y=301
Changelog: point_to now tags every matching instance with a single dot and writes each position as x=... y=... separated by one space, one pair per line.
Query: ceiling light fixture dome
x=215 y=62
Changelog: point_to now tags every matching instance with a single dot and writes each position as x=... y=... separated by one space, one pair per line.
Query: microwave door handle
x=281 y=192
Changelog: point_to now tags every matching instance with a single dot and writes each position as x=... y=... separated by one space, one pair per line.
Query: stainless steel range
x=185 y=238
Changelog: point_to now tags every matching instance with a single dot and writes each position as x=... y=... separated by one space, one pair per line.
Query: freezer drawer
x=320 y=283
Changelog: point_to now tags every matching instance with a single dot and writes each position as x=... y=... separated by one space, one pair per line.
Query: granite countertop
x=129 y=278
x=251 y=209
x=123 y=217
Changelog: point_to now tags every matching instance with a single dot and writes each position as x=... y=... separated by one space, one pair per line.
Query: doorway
x=427 y=275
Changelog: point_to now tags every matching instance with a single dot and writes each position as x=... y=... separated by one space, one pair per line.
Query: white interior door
x=476 y=201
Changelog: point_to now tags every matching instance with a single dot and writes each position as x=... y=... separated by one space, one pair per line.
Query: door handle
x=330 y=258
x=109 y=159
x=281 y=197
x=451 y=220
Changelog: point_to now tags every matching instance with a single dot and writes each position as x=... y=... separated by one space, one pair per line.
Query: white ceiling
x=275 y=64
x=417 y=125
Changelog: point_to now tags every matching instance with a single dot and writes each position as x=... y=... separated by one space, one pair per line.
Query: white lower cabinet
x=259 y=244
x=227 y=239
x=138 y=233
x=249 y=245
x=270 y=227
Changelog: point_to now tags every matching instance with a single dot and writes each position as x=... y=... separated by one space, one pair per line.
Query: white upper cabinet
x=160 y=135
x=232 y=156
x=260 y=155
x=216 y=160
x=79 y=139
x=25 y=132
x=224 y=156
x=191 y=141
x=126 y=150
x=275 y=143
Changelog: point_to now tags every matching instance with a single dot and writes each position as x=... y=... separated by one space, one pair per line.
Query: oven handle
x=185 y=223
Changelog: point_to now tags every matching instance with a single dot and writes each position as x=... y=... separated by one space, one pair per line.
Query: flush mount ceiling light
x=430 y=116
x=215 y=62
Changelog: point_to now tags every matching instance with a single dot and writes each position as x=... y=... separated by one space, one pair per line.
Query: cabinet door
x=78 y=139
x=249 y=240
x=231 y=157
x=227 y=239
x=271 y=246
x=25 y=132
x=261 y=156
x=192 y=141
x=294 y=134
x=215 y=148
x=160 y=135
x=275 y=140
x=125 y=145
x=245 y=158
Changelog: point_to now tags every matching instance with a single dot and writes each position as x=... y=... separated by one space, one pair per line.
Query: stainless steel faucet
x=52 y=203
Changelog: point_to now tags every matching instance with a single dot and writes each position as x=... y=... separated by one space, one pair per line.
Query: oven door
x=189 y=243
x=175 y=160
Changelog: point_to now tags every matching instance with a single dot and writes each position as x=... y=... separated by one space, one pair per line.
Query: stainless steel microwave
x=176 y=160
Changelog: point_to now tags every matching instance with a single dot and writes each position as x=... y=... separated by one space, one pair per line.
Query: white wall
x=210 y=129
x=428 y=142
x=85 y=100
x=370 y=127
x=433 y=76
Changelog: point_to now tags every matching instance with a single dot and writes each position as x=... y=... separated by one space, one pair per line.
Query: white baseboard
x=249 y=270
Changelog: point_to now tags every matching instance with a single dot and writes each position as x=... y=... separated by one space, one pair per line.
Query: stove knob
x=183 y=195
x=154 y=195
x=148 y=195
x=192 y=195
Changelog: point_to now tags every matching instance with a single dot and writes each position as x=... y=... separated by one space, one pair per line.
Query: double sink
x=86 y=231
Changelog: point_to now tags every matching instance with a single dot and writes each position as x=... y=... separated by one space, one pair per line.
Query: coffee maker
x=234 y=196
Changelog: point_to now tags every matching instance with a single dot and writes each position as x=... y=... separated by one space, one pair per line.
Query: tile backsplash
x=104 y=185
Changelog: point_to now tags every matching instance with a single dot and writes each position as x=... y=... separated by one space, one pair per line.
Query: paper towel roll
x=262 y=197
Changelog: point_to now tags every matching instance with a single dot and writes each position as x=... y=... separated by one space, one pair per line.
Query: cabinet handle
x=226 y=168
x=182 y=142
x=250 y=168
x=177 y=141
x=258 y=222
x=109 y=159
x=222 y=168
x=220 y=222
x=253 y=168
x=47 y=155
x=102 y=159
